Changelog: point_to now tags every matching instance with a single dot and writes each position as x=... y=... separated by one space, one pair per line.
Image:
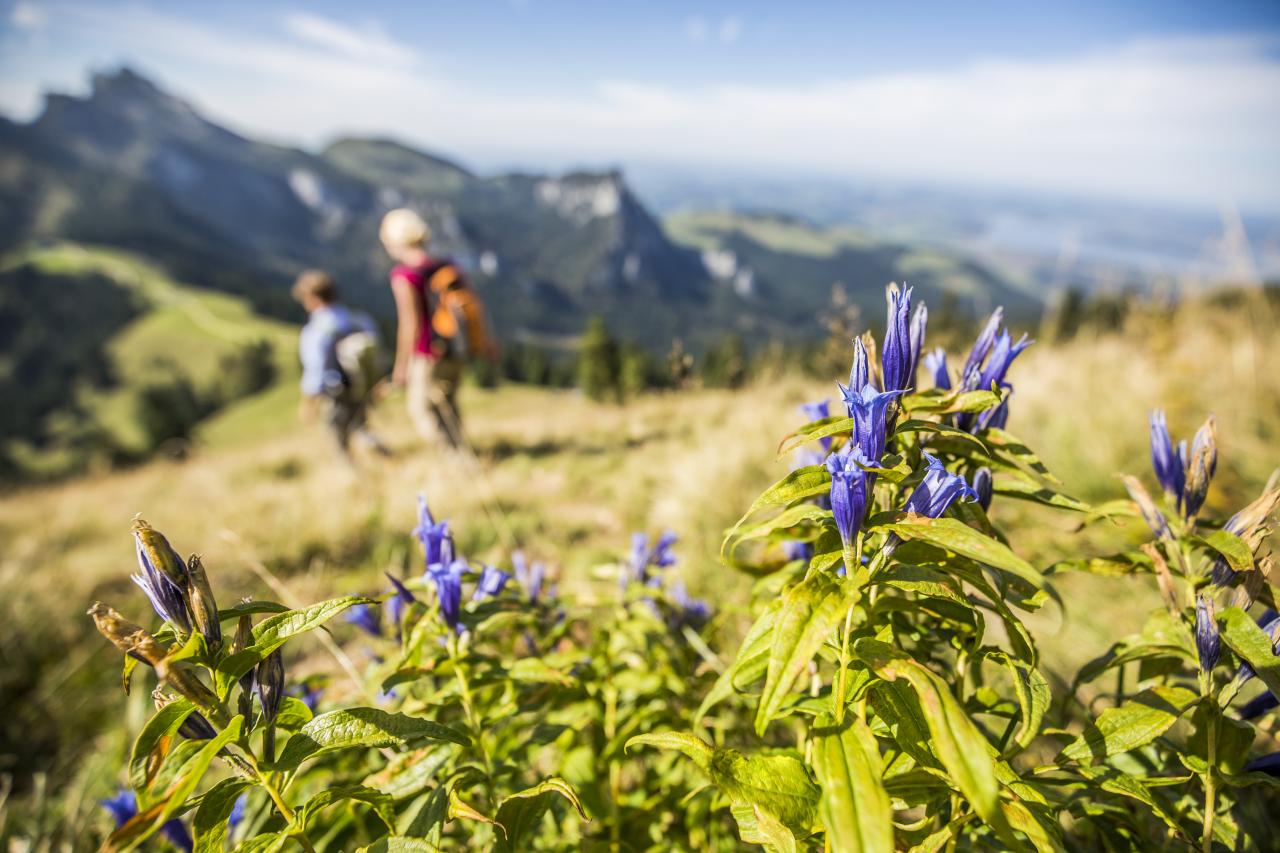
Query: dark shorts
x=344 y=416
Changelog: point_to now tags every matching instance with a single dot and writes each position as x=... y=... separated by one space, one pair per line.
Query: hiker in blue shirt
x=341 y=362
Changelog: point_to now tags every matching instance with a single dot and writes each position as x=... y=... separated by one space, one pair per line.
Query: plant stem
x=473 y=717
x=274 y=793
x=615 y=771
x=1210 y=790
x=843 y=677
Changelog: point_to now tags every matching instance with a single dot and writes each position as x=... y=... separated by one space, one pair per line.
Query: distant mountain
x=133 y=166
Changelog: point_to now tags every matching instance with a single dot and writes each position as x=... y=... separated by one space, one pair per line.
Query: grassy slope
x=188 y=326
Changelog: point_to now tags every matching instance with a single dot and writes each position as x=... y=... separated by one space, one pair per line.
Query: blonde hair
x=315 y=283
x=404 y=229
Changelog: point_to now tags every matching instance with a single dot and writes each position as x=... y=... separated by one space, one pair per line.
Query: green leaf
x=775 y=836
x=1252 y=644
x=788 y=518
x=274 y=631
x=818 y=429
x=458 y=808
x=1010 y=449
x=1028 y=489
x=1235 y=551
x=380 y=802
x=810 y=612
x=410 y=774
x=941 y=429
x=801 y=483
x=855 y=807
x=400 y=844
x=149 y=820
x=952 y=535
x=941 y=402
x=360 y=727
x=750 y=665
x=694 y=747
x=1135 y=723
x=249 y=608
x=954 y=739
x=153 y=742
x=1042 y=829
x=1032 y=691
x=778 y=784
x=1125 y=785
x=210 y=822
x=521 y=812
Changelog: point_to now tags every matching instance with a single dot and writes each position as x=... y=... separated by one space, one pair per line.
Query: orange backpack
x=458 y=321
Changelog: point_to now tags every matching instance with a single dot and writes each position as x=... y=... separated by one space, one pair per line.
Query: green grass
x=705 y=230
x=187 y=327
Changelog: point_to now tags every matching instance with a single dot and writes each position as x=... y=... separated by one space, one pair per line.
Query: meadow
x=274 y=516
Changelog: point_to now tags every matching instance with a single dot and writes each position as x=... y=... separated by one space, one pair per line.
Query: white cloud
x=1187 y=119
x=695 y=29
x=730 y=30
x=28 y=16
x=369 y=42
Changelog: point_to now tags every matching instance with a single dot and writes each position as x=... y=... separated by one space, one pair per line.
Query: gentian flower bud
x=1208 y=643
x=1269 y=764
x=1147 y=507
x=983 y=487
x=1165 y=459
x=1200 y=468
x=981 y=348
x=896 y=360
x=999 y=416
x=850 y=490
x=919 y=321
x=860 y=371
x=936 y=363
x=203 y=607
x=1002 y=355
x=491 y=583
x=938 y=490
x=194 y=727
x=1259 y=705
x=448 y=581
x=1252 y=524
x=163 y=577
x=268 y=684
x=397 y=603
x=366 y=618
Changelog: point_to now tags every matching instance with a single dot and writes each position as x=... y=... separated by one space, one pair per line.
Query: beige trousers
x=432 y=398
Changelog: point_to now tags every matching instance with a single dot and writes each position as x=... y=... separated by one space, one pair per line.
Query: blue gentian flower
x=938 y=490
x=123 y=806
x=859 y=370
x=936 y=363
x=981 y=349
x=448 y=581
x=1269 y=764
x=693 y=612
x=794 y=549
x=1165 y=459
x=850 y=490
x=365 y=617
x=530 y=577
x=491 y=583
x=816 y=411
x=869 y=409
x=1002 y=355
x=1147 y=507
x=1259 y=705
x=643 y=558
x=1208 y=643
x=983 y=487
x=238 y=811
x=896 y=358
x=397 y=603
x=437 y=541
x=166 y=593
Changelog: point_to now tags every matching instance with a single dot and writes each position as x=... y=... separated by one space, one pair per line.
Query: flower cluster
x=645 y=558
x=1184 y=474
x=179 y=592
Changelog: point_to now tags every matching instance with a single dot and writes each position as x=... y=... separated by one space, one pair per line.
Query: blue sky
x=1175 y=102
